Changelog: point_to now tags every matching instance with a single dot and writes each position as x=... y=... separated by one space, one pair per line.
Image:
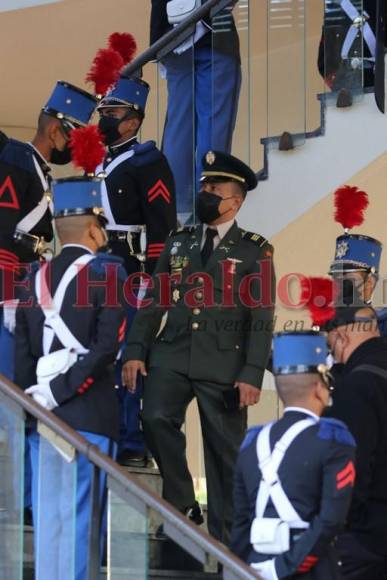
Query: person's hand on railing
x=130 y=372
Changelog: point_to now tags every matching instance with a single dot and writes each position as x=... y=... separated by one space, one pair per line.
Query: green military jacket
x=212 y=323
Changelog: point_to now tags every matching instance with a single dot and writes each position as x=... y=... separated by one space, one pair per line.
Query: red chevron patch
x=307 y=564
x=159 y=190
x=346 y=476
x=11 y=201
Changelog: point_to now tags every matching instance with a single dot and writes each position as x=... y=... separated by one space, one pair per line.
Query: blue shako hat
x=299 y=352
x=77 y=196
x=355 y=252
x=127 y=92
x=73 y=106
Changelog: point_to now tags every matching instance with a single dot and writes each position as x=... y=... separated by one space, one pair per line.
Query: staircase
x=166 y=560
x=350 y=140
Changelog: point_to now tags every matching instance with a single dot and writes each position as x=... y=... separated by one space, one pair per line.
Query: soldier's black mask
x=207 y=206
x=351 y=294
x=61 y=157
x=109 y=129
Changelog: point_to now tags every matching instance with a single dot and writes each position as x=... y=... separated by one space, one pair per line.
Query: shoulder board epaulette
x=145 y=153
x=142 y=148
x=255 y=238
x=18 y=154
x=333 y=429
x=101 y=259
x=250 y=436
x=182 y=230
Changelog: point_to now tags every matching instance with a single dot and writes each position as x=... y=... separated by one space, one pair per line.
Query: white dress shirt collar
x=222 y=229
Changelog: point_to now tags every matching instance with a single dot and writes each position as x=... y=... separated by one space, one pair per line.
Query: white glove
x=9 y=315
x=42 y=394
x=266 y=569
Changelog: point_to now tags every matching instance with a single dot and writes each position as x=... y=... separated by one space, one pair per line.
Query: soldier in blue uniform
x=25 y=207
x=356 y=263
x=138 y=197
x=65 y=361
x=204 y=81
x=294 y=477
x=25 y=214
x=356 y=269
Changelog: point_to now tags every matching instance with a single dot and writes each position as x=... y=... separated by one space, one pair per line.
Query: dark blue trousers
x=131 y=435
x=203 y=95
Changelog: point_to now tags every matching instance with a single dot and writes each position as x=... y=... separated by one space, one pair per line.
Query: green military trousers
x=167 y=395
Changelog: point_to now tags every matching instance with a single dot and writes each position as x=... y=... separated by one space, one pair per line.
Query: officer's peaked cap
x=221 y=166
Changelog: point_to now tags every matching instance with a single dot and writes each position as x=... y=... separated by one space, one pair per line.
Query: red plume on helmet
x=105 y=70
x=87 y=148
x=319 y=295
x=108 y=62
x=125 y=44
x=350 y=204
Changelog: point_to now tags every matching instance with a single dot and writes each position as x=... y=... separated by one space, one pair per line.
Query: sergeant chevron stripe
x=159 y=189
x=346 y=476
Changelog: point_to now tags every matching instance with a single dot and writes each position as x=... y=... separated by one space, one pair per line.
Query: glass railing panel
x=11 y=489
x=286 y=69
x=229 y=110
x=55 y=520
x=342 y=61
x=314 y=85
x=257 y=74
x=128 y=540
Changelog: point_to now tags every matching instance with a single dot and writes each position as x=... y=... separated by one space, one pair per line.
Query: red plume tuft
x=319 y=295
x=87 y=148
x=123 y=43
x=350 y=204
x=105 y=70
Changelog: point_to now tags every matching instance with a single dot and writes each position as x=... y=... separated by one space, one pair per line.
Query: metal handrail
x=142 y=493
x=174 y=37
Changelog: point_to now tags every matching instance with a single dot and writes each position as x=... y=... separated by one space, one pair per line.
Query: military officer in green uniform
x=205 y=334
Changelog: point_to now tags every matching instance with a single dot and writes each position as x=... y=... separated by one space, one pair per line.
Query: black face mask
x=109 y=129
x=351 y=294
x=61 y=157
x=207 y=206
